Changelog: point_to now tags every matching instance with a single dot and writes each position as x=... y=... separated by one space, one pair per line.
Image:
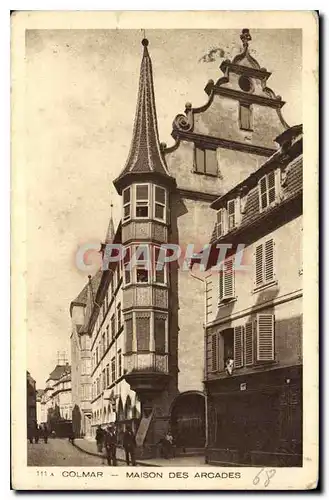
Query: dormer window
x=227 y=218
x=267 y=190
x=231 y=214
x=142 y=200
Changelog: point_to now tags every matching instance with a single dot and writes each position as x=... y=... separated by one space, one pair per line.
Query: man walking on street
x=129 y=444
x=111 y=445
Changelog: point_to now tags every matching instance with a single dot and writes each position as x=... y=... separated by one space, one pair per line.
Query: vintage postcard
x=164 y=250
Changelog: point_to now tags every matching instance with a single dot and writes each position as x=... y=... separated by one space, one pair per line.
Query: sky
x=81 y=89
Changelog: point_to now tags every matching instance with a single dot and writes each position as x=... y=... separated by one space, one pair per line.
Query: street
x=60 y=452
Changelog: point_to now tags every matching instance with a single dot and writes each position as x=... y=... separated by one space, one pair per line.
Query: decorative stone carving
x=141 y=230
x=128 y=298
x=161 y=363
x=159 y=232
x=143 y=296
x=160 y=297
x=144 y=361
x=127 y=232
x=129 y=362
x=184 y=122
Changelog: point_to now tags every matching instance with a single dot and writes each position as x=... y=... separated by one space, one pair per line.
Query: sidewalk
x=89 y=447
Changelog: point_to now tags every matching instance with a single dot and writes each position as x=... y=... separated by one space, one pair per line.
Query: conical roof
x=145 y=153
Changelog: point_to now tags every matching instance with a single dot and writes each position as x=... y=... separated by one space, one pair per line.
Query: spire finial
x=245 y=38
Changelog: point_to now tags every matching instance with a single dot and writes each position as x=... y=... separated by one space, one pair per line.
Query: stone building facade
x=31 y=401
x=168 y=196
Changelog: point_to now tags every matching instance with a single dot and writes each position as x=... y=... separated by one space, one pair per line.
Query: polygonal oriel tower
x=145 y=186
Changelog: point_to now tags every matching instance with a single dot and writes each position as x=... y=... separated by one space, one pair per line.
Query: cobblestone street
x=60 y=452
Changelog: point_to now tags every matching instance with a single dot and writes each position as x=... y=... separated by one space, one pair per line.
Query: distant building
x=41 y=417
x=31 y=409
x=57 y=393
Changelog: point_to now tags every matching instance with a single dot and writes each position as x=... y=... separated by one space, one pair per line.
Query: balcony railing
x=146 y=362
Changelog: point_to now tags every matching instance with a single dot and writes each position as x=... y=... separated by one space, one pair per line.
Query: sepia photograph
x=164 y=240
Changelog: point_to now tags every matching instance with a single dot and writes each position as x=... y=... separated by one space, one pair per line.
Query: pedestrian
x=45 y=433
x=71 y=435
x=168 y=445
x=129 y=444
x=111 y=445
x=99 y=439
x=30 y=434
x=36 y=433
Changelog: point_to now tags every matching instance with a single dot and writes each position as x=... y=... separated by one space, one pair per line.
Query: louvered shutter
x=269 y=260
x=271 y=187
x=221 y=284
x=259 y=265
x=209 y=296
x=238 y=346
x=265 y=337
x=263 y=192
x=220 y=223
x=231 y=214
x=214 y=356
x=248 y=344
x=228 y=290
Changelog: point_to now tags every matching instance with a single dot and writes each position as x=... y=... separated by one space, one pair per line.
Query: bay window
x=126 y=203
x=142 y=200
x=159 y=203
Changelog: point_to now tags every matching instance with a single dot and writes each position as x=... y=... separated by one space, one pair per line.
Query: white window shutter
x=214 y=351
x=238 y=346
x=231 y=214
x=228 y=275
x=249 y=344
x=265 y=337
x=259 y=265
x=209 y=296
x=263 y=193
x=269 y=260
x=221 y=284
x=220 y=223
x=271 y=187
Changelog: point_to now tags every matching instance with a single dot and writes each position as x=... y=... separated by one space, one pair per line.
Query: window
x=143 y=331
x=265 y=337
x=159 y=274
x=104 y=343
x=119 y=363
x=228 y=345
x=142 y=263
x=160 y=333
x=129 y=333
x=264 y=263
x=142 y=200
x=159 y=203
x=107 y=336
x=107 y=375
x=126 y=203
x=214 y=353
x=206 y=161
x=103 y=379
x=267 y=190
x=220 y=223
x=126 y=262
x=119 y=316
x=113 y=326
x=96 y=355
x=245 y=117
x=113 y=369
x=226 y=281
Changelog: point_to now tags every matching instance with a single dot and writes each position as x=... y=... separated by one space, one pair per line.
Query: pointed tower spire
x=145 y=158
x=110 y=230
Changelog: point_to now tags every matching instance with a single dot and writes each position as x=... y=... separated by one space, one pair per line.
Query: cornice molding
x=248 y=98
x=211 y=142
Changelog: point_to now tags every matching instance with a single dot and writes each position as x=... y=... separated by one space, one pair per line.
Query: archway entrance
x=187 y=420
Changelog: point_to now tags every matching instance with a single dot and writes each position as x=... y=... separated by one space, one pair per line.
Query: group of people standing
x=107 y=440
x=35 y=432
